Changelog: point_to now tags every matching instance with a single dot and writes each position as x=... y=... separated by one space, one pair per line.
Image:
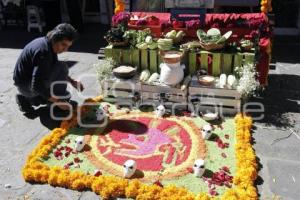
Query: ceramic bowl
x=206 y=80
x=172 y=57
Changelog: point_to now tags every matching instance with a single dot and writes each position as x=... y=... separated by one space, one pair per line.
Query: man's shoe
x=24 y=104
x=31 y=115
x=38 y=100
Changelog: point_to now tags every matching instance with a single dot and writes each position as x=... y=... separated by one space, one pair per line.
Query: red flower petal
x=97 y=173
x=66 y=166
x=213 y=192
x=186 y=113
x=158 y=183
x=221 y=145
x=226 y=169
x=60 y=148
x=57 y=153
x=68 y=149
x=77 y=160
x=189 y=169
x=59 y=158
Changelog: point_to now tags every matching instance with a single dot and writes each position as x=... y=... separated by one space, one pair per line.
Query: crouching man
x=39 y=77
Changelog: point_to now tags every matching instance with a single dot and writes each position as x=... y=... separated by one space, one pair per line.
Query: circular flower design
x=168 y=146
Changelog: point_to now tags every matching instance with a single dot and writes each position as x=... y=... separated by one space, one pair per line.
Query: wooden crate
x=121 y=89
x=173 y=96
x=222 y=100
x=215 y=63
x=143 y=59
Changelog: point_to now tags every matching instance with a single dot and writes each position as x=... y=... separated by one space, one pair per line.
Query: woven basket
x=211 y=46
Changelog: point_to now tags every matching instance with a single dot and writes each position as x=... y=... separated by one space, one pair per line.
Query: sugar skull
x=160 y=111
x=206 y=131
x=79 y=143
x=223 y=80
x=198 y=168
x=100 y=114
x=129 y=168
x=231 y=80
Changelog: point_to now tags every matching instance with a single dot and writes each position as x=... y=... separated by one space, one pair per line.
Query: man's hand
x=64 y=105
x=78 y=85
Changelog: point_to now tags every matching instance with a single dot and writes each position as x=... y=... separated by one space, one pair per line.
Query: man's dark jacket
x=34 y=67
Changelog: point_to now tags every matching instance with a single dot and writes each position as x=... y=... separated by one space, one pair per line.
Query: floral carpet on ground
x=164 y=149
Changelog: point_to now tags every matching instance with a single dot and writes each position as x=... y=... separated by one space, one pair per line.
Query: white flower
x=104 y=68
x=248 y=83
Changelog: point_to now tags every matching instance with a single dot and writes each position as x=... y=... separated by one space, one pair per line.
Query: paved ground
x=280 y=162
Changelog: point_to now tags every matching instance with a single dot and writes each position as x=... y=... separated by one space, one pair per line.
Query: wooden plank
x=118 y=93
x=197 y=108
x=120 y=101
x=126 y=57
x=192 y=62
x=216 y=64
x=135 y=54
x=216 y=101
x=249 y=58
x=153 y=61
x=160 y=60
x=227 y=64
x=214 y=92
x=169 y=97
x=162 y=89
x=169 y=105
x=185 y=60
x=129 y=85
x=238 y=60
x=195 y=88
x=144 y=59
x=204 y=60
x=117 y=55
x=108 y=51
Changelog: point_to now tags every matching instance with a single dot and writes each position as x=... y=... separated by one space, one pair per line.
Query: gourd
x=144 y=75
x=153 y=77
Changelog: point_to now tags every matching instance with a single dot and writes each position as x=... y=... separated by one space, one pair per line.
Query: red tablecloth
x=243 y=25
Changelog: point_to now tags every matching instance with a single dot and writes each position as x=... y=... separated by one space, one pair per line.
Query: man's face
x=61 y=46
